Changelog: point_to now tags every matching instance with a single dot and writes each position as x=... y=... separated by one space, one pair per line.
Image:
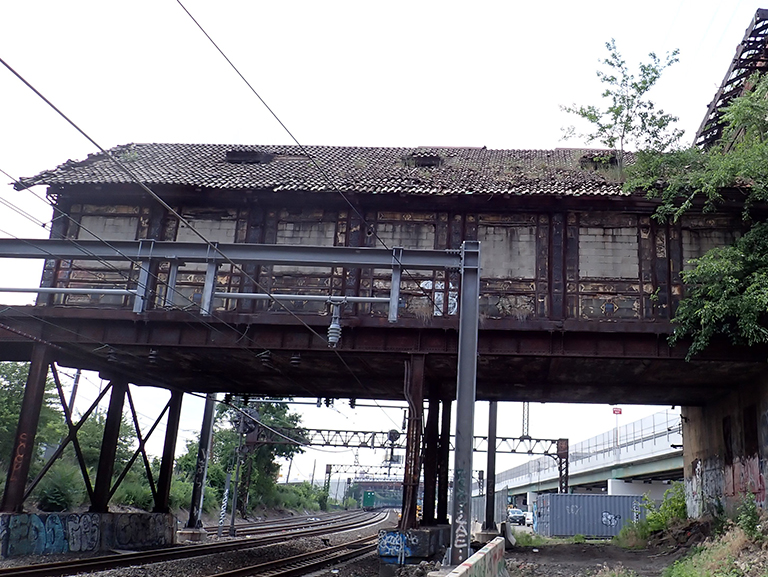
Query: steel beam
x=29 y=416
x=203 y=451
x=490 y=492
x=469 y=314
x=430 y=462
x=144 y=250
x=443 y=451
x=106 y=467
x=414 y=387
x=162 y=504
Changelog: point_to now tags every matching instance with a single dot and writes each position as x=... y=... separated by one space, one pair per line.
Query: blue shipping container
x=566 y=515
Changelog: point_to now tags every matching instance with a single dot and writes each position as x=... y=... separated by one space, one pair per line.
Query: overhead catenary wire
x=311 y=158
x=182 y=220
x=127 y=277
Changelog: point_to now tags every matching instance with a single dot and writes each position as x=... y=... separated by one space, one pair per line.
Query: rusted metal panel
x=571 y=265
x=646 y=266
x=675 y=254
x=557 y=266
x=661 y=271
x=549 y=297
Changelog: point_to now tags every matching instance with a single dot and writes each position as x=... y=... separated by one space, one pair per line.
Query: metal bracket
x=394 y=287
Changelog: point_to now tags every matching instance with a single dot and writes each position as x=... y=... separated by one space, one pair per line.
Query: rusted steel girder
x=201 y=468
x=430 y=462
x=29 y=416
x=414 y=394
x=443 y=451
x=162 y=504
x=490 y=483
x=102 y=489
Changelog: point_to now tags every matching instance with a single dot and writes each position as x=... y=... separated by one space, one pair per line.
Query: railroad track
x=266 y=527
x=105 y=562
x=307 y=562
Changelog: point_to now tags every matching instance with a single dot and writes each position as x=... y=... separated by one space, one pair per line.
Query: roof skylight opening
x=249 y=157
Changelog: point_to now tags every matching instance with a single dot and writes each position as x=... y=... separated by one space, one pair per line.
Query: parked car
x=516 y=516
x=529 y=518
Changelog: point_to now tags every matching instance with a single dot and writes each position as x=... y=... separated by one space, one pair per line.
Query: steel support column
x=414 y=394
x=162 y=504
x=21 y=457
x=203 y=450
x=430 y=462
x=443 y=454
x=490 y=481
x=466 y=385
x=562 y=465
x=106 y=467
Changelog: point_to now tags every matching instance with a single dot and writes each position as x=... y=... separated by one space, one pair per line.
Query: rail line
x=266 y=527
x=106 y=562
x=307 y=562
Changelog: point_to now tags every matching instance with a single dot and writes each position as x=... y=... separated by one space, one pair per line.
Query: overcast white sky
x=396 y=73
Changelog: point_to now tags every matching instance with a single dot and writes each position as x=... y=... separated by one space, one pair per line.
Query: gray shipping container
x=566 y=515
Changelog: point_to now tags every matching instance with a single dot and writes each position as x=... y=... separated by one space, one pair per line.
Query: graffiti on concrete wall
x=487 y=562
x=133 y=530
x=83 y=532
x=47 y=534
x=30 y=534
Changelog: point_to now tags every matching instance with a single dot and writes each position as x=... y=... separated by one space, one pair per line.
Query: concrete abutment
x=725 y=450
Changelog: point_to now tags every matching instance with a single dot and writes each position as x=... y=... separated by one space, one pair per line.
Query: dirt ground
x=584 y=559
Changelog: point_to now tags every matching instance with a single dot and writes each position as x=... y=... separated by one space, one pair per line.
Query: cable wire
x=312 y=159
x=182 y=220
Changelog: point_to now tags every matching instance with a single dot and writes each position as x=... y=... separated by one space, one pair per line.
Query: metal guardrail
x=659 y=429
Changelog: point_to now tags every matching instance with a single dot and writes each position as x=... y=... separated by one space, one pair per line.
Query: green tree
x=90 y=434
x=727 y=289
x=628 y=117
x=268 y=428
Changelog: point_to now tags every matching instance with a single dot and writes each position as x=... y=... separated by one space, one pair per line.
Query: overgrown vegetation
x=727 y=290
x=63 y=487
x=718 y=558
x=628 y=118
x=526 y=539
x=671 y=510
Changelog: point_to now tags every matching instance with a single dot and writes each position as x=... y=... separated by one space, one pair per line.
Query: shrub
x=525 y=539
x=61 y=489
x=635 y=535
x=579 y=538
x=748 y=517
x=672 y=508
x=134 y=494
x=181 y=494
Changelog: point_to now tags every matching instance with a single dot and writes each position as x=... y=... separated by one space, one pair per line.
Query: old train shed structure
x=154 y=247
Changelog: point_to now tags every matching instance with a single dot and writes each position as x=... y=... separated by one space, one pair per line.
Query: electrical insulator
x=334 y=330
x=334 y=333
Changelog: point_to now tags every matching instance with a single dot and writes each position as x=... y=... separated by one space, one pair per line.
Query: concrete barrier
x=56 y=533
x=487 y=562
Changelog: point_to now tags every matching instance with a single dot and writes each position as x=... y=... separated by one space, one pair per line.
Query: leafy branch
x=629 y=117
x=727 y=290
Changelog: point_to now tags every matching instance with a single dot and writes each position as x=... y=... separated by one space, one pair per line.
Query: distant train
x=369 y=500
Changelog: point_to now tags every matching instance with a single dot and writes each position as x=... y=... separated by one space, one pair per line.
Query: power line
x=182 y=220
x=127 y=278
x=311 y=158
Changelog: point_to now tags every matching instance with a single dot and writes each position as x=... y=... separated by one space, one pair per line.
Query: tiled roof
x=434 y=170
